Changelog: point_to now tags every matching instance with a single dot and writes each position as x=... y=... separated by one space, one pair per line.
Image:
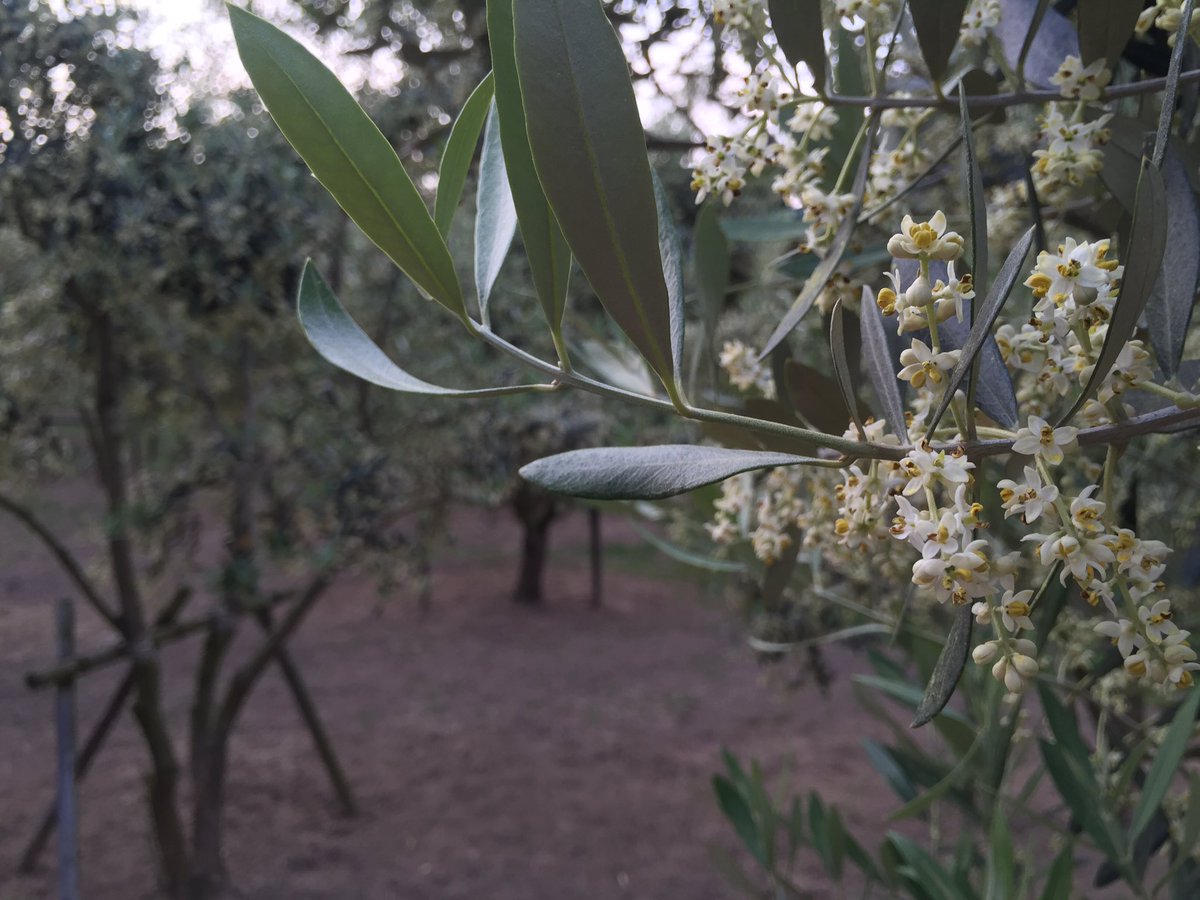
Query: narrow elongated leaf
x=801 y=35
x=1147 y=242
x=949 y=666
x=1167 y=112
x=687 y=557
x=737 y=811
x=1082 y=796
x=878 y=361
x=672 y=260
x=973 y=188
x=589 y=151
x=1105 y=27
x=339 y=339
x=1166 y=762
x=984 y=319
x=1169 y=309
x=784 y=225
x=545 y=247
x=495 y=214
x=647 y=473
x=833 y=255
x=1000 y=876
x=841 y=368
x=1053 y=41
x=710 y=262
x=937 y=23
x=347 y=153
x=1060 y=876
x=460 y=150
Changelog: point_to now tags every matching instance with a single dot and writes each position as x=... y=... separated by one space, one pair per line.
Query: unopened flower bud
x=919 y=293
x=984 y=653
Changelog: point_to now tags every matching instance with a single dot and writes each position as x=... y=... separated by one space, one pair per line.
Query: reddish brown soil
x=497 y=752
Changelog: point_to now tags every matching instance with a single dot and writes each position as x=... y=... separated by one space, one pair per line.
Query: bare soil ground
x=498 y=753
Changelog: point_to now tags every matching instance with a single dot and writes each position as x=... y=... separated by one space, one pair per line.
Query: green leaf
x=1000 y=876
x=1169 y=309
x=801 y=35
x=338 y=338
x=1147 y=242
x=495 y=214
x=784 y=225
x=973 y=188
x=1166 y=763
x=737 y=811
x=590 y=154
x=877 y=359
x=671 y=251
x=1105 y=27
x=545 y=247
x=841 y=368
x=949 y=666
x=1167 y=111
x=833 y=255
x=937 y=23
x=710 y=262
x=460 y=149
x=893 y=773
x=347 y=153
x=647 y=473
x=1060 y=876
x=983 y=319
x=687 y=557
x=1081 y=794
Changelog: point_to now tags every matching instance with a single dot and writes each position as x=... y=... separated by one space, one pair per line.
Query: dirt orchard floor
x=497 y=753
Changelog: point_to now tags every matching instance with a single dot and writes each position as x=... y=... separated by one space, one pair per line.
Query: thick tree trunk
x=209 y=876
x=162 y=783
x=535 y=509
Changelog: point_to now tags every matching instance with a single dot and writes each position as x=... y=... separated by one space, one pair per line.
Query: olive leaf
x=949 y=666
x=1147 y=243
x=647 y=473
x=545 y=247
x=879 y=362
x=710 y=263
x=825 y=268
x=938 y=23
x=347 y=153
x=589 y=151
x=460 y=149
x=981 y=328
x=1166 y=764
x=801 y=35
x=1105 y=27
x=495 y=213
x=841 y=368
x=340 y=340
x=1169 y=308
x=672 y=260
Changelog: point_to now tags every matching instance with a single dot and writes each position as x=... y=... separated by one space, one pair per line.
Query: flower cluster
x=922 y=515
x=1071 y=156
x=1166 y=15
x=982 y=17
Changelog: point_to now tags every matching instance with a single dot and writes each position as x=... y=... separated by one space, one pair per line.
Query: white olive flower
x=1123 y=633
x=1040 y=439
x=1077 y=82
x=1014 y=610
x=922 y=365
x=1087 y=515
x=1030 y=498
x=926 y=240
x=1156 y=621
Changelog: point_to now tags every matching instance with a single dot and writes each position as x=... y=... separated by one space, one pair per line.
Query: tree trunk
x=208 y=876
x=109 y=448
x=535 y=509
